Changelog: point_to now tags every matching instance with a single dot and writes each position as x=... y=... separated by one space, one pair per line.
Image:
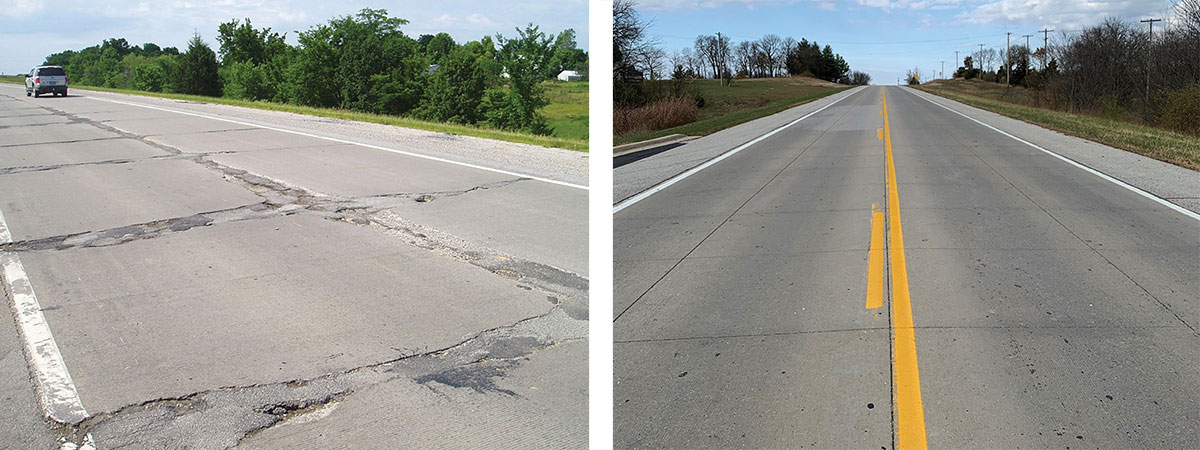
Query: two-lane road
x=1049 y=307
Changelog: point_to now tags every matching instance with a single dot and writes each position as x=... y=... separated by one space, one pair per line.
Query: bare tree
x=652 y=61
x=1188 y=15
x=706 y=49
x=743 y=56
x=630 y=40
x=785 y=47
x=769 y=45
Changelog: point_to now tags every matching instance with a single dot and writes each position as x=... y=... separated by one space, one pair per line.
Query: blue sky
x=886 y=37
x=32 y=29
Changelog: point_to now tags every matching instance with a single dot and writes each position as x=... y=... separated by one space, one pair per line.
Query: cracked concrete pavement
x=211 y=284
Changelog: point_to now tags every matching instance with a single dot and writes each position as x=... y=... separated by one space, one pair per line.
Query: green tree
x=198 y=69
x=149 y=75
x=439 y=46
x=524 y=59
x=565 y=56
x=242 y=42
x=455 y=91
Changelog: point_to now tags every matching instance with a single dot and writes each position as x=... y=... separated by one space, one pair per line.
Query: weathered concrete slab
x=508 y=219
x=69 y=132
x=238 y=141
x=266 y=301
x=100 y=197
x=355 y=171
x=167 y=124
x=75 y=153
x=37 y=119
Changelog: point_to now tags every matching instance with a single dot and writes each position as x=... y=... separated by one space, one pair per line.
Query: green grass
x=1168 y=146
x=571 y=143
x=743 y=101
x=567 y=113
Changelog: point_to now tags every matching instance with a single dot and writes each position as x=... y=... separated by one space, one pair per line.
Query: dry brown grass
x=665 y=113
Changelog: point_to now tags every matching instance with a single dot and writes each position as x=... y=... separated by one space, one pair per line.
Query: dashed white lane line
x=344 y=141
x=56 y=391
x=677 y=178
x=1072 y=162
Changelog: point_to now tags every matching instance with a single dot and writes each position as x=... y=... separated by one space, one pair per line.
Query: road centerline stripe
x=875 y=256
x=910 y=414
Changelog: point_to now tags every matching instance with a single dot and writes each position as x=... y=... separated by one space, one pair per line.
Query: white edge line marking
x=59 y=399
x=5 y=235
x=677 y=178
x=1123 y=184
x=344 y=141
x=46 y=367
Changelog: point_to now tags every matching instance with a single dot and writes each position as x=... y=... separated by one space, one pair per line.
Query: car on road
x=46 y=79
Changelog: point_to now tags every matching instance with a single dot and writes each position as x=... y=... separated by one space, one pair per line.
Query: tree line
x=362 y=62
x=1115 y=69
x=767 y=57
x=637 y=56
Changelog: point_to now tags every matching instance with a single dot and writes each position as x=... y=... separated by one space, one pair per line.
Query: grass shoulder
x=1180 y=149
x=743 y=101
x=570 y=143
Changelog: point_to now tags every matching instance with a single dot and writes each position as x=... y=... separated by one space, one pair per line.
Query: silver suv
x=46 y=79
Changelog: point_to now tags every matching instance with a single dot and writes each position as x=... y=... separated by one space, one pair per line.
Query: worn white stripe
x=1072 y=162
x=56 y=391
x=5 y=235
x=344 y=141
x=677 y=178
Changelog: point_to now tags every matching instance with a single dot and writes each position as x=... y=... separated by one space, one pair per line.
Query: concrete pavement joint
x=647 y=193
x=25 y=169
x=1072 y=162
x=1083 y=241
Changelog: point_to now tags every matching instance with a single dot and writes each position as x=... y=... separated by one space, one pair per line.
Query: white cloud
x=1068 y=14
x=669 y=5
x=910 y=4
x=22 y=8
x=480 y=20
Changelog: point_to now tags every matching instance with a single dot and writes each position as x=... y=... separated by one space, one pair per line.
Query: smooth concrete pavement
x=1051 y=308
x=211 y=275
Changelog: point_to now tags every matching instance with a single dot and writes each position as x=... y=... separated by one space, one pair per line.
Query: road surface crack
x=231 y=414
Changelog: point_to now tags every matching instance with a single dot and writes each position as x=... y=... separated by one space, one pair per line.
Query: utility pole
x=956 y=60
x=1026 y=75
x=1045 y=46
x=980 y=59
x=943 y=69
x=1149 y=58
x=1007 y=56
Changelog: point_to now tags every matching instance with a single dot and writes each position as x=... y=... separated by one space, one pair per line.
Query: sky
x=884 y=38
x=32 y=29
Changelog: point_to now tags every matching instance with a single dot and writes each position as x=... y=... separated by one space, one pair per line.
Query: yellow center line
x=875 y=266
x=910 y=415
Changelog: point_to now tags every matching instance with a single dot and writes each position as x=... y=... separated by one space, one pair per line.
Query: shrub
x=1179 y=109
x=662 y=114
